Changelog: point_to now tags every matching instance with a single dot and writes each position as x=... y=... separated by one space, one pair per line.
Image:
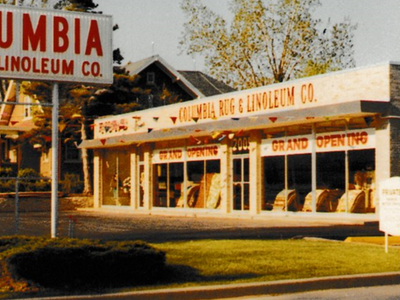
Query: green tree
x=81 y=104
x=70 y=97
x=267 y=41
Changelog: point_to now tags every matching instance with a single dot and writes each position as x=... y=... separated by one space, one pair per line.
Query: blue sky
x=150 y=27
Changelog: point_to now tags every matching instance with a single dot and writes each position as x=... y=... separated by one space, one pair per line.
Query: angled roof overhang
x=354 y=109
x=348 y=94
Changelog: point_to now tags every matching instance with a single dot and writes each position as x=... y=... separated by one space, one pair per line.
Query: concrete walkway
x=250 y=289
x=172 y=227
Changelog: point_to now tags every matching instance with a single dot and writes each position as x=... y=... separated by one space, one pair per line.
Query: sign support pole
x=54 y=162
x=386 y=242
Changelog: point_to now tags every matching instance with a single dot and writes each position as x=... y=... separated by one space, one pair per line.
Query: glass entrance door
x=241 y=183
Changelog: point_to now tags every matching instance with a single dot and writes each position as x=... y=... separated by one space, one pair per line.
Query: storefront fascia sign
x=55 y=45
x=325 y=142
x=192 y=153
x=293 y=96
x=389 y=206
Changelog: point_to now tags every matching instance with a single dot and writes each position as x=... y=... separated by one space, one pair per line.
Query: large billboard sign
x=54 y=45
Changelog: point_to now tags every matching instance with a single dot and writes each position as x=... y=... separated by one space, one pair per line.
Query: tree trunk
x=87 y=190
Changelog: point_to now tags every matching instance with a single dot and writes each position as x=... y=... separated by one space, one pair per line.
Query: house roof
x=9 y=122
x=206 y=84
x=6 y=110
x=195 y=83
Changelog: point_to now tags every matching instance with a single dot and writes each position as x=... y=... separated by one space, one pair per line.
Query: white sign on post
x=389 y=206
x=55 y=45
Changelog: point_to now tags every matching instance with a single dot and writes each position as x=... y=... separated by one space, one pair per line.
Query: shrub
x=8 y=242
x=42 y=186
x=71 y=184
x=71 y=263
x=30 y=181
x=7 y=172
x=7 y=186
x=28 y=173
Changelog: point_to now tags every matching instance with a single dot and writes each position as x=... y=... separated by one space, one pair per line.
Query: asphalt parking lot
x=168 y=227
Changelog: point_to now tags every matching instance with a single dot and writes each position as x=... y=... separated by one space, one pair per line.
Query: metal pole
x=286 y=183
x=16 y=181
x=314 y=170
x=386 y=242
x=54 y=163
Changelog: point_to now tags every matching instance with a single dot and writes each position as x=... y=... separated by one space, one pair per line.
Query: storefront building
x=317 y=145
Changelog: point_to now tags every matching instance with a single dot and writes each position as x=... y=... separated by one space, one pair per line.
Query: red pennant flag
x=192 y=140
x=273 y=119
x=13 y=122
x=103 y=141
x=173 y=119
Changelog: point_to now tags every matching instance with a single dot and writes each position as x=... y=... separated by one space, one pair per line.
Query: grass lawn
x=221 y=261
x=207 y=262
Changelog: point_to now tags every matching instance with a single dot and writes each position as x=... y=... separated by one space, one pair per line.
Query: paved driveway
x=159 y=228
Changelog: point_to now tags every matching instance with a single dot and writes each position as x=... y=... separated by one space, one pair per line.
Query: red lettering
x=290 y=145
x=55 y=66
x=34 y=37
x=327 y=140
x=276 y=98
x=6 y=43
x=77 y=36
x=45 y=62
x=163 y=155
x=15 y=63
x=25 y=64
x=364 y=137
x=320 y=141
x=281 y=146
x=35 y=69
x=93 y=39
x=68 y=67
x=274 y=145
x=85 y=70
x=60 y=34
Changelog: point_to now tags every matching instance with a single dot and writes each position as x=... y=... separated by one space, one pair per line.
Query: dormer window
x=151 y=78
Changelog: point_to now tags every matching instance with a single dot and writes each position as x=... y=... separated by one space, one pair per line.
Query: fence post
x=16 y=206
x=71 y=227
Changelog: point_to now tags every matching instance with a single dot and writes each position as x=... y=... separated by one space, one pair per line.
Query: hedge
x=28 y=181
x=80 y=264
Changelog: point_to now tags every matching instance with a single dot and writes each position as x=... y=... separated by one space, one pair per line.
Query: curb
x=250 y=289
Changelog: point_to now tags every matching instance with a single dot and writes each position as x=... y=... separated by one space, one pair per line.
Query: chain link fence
x=25 y=207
